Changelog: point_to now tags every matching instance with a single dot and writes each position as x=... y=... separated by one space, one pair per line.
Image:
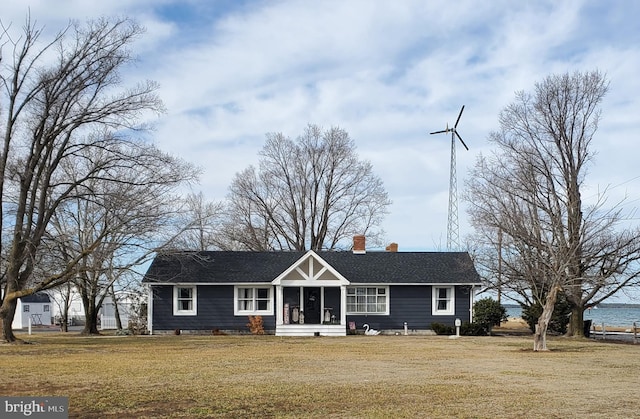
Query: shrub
x=255 y=325
x=137 y=326
x=443 y=329
x=138 y=316
x=487 y=312
x=559 y=318
x=473 y=329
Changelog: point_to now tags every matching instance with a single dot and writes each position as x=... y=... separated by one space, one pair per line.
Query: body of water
x=611 y=316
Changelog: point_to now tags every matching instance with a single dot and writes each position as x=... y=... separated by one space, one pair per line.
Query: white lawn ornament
x=370 y=332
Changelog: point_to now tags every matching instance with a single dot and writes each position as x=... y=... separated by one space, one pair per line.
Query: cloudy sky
x=387 y=72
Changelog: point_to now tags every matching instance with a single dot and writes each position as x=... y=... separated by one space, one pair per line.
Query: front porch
x=310 y=311
x=311 y=299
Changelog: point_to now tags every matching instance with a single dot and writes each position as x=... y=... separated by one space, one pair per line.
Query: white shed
x=72 y=300
x=125 y=303
x=34 y=308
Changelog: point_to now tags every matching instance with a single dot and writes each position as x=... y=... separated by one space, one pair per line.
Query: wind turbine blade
x=458 y=120
x=439 y=132
x=460 y=138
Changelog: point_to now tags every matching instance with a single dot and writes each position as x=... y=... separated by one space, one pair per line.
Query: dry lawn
x=350 y=377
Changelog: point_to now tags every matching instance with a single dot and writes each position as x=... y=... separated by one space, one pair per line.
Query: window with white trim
x=253 y=300
x=26 y=308
x=367 y=300
x=185 y=301
x=443 y=299
x=46 y=307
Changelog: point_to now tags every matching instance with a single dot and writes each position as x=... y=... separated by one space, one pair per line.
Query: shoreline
x=518 y=324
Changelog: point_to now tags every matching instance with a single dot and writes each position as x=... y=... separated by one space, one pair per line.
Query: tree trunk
x=116 y=311
x=576 y=322
x=540 y=335
x=66 y=305
x=64 y=320
x=7 y=313
x=91 y=321
x=64 y=323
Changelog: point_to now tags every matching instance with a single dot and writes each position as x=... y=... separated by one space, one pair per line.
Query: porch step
x=310 y=330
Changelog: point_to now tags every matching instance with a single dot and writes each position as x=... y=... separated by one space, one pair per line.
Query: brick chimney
x=359 y=246
x=393 y=247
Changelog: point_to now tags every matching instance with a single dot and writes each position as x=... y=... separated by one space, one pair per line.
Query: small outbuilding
x=34 y=309
x=108 y=312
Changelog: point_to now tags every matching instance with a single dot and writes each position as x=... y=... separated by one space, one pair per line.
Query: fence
x=629 y=334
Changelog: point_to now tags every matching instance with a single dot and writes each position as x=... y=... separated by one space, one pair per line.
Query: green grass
x=354 y=376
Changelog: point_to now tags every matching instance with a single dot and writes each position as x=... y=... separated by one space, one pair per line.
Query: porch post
x=343 y=305
x=279 y=306
x=321 y=305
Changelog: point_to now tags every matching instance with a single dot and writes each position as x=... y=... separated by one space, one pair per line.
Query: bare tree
x=311 y=193
x=201 y=221
x=63 y=297
x=528 y=193
x=61 y=100
x=122 y=221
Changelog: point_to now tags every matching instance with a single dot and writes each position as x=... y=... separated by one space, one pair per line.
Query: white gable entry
x=311 y=299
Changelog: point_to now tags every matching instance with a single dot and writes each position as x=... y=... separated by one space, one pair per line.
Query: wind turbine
x=452 y=222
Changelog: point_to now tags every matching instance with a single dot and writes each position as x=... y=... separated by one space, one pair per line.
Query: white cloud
x=387 y=72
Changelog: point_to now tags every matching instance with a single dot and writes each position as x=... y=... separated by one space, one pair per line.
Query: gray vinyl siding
x=215 y=311
x=412 y=304
x=463 y=303
x=407 y=303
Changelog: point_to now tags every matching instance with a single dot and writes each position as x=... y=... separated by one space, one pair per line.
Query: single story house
x=34 y=309
x=309 y=293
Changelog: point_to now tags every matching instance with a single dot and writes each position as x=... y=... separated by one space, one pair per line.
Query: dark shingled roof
x=38 y=297
x=370 y=267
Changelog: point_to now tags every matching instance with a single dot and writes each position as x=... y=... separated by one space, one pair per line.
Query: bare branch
x=311 y=193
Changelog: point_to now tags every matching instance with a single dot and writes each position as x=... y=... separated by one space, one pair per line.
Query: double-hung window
x=253 y=300
x=443 y=301
x=25 y=308
x=185 y=301
x=367 y=300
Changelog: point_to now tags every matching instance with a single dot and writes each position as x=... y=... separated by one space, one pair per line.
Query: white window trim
x=194 y=306
x=434 y=301
x=238 y=312
x=359 y=313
